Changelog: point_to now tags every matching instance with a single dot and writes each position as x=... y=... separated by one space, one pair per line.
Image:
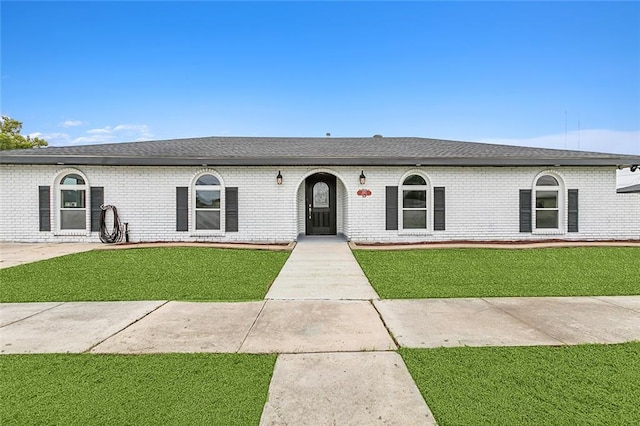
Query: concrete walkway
x=335 y=338
x=322 y=268
x=13 y=254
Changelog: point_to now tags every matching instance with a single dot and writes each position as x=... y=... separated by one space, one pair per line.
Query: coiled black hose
x=116 y=233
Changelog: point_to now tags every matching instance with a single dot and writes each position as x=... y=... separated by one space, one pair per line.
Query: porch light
x=279 y=178
x=363 y=178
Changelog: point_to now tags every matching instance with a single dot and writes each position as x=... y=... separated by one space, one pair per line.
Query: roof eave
x=315 y=161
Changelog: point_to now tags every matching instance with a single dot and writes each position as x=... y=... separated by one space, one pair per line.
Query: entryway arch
x=322 y=204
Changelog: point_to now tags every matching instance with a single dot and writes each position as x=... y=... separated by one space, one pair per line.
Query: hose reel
x=118 y=230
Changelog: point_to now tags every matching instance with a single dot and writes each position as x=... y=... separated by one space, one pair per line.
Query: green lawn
x=176 y=273
x=584 y=271
x=590 y=384
x=90 y=389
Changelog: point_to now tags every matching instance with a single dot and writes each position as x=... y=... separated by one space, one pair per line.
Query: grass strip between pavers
x=439 y=273
x=170 y=273
x=86 y=389
x=587 y=384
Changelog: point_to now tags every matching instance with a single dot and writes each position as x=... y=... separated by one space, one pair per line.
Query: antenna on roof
x=565 y=129
x=578 y=135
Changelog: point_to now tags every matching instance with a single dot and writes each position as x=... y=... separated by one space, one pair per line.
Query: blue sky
x=553 y=74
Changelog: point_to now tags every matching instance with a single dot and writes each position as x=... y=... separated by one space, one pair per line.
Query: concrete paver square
x=574 y=320
x=628 y=302
x=429 y=323
x=319 y=255
x=299 y=288
x=187 y=327
x=344 y=389
x=303 y=267
x=71 y=327
x=12 y=312
x=317 y=326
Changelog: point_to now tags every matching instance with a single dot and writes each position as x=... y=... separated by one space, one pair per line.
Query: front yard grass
x=590 y=384
x=173 y=273
x=583 y=271
x=90 y=389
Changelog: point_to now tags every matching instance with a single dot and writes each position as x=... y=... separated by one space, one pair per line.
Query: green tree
x=10 y=137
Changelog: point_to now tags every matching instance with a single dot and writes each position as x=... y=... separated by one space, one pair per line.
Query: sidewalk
x=312 y=326
x=335 y=339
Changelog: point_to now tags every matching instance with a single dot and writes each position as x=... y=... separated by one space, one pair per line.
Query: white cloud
x=143 y=129
x=55 y=138
x=119 y=133
x=70 y=123
x=92 y=139
x=597 y=140
x=104 y=131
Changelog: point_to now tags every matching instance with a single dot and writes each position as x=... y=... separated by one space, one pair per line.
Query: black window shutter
x=438 y=209
x=182 y=208
x=573 y=210
x=525 y=210
x=392 y=207
x=97 y=200
x=231 y=209
x=44 y=205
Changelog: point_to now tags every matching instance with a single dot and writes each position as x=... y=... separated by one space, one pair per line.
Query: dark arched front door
x=321 y=204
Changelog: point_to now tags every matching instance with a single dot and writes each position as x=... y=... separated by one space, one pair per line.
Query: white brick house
x=368 y=189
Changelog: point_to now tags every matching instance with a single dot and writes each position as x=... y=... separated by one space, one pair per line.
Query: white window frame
x=194 y=209
x=58 y=208
x=559 y=189
x=428 y=204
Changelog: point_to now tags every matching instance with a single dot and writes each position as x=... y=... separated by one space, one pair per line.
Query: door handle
x=309 y=211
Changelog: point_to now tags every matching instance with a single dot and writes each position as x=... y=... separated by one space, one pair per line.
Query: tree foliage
x=10 y=137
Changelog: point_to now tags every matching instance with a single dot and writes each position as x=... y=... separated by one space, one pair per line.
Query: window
x=321 y=195
x=207 y=203
x=72 y=198
x=547 y=203
x=414 y=203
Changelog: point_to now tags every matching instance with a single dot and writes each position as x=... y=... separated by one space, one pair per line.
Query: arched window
x=547 y=196
x=207 y=191
x=414 y=202
x=72 y=201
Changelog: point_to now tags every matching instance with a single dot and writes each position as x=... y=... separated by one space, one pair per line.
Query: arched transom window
x=414 y=202
x=547 y=202
x=207 y=191
x=72 y=198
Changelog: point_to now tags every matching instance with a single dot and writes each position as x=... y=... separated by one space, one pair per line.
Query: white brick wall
x=481 y=202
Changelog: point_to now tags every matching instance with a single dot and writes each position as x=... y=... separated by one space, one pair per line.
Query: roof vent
x=377 y=136
x=328 y=134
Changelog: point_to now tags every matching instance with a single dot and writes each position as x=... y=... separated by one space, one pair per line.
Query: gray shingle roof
x=309 y=151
